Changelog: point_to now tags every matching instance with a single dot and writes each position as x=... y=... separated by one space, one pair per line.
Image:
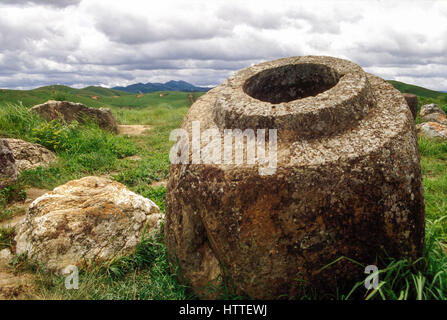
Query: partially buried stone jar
x=346 y=181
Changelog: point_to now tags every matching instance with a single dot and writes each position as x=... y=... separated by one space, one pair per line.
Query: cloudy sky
x=116 y=42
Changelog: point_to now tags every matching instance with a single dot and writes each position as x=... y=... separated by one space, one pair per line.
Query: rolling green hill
x=124 y=105
x=31 y=97
x=419 y=91
x=425 y=96
x=58 y=91
x=91 y=96
x=95 y=96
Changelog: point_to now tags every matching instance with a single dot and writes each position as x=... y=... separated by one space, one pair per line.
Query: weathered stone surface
x=432 y=130
x=29 y=155
x=70 y=111
x=433 y=113
x=8 y=168
x=435 y=117
x=90 y=219
x=435 y=122
x=412 y=101
x=427 y=109
x=347 y=182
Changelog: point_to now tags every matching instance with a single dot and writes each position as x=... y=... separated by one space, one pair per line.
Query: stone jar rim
x=336 y=108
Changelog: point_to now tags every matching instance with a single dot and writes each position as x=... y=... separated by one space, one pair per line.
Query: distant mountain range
x=167 y=86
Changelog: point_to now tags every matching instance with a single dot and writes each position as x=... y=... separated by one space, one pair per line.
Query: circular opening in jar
x=291 y=82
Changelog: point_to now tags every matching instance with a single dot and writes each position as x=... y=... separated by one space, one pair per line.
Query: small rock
x=92 y=219
x=433 y=113
x=430 y=108
x=70 y=111
x=5 y=255
x=432 y=130
x=8 y=167
x=133 y=158
x=30 y=155
x=412 y=101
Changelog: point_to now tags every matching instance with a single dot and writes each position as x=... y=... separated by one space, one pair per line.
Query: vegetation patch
x=6 y=238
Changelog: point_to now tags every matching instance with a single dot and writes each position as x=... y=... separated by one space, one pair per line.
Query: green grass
x=87 y=150
x=81 y=149
x=31 y=97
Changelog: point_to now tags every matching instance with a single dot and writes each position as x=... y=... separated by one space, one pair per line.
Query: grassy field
x=86 y=150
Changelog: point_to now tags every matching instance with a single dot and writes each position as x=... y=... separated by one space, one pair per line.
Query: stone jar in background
x=412 y=101
x=346 y=181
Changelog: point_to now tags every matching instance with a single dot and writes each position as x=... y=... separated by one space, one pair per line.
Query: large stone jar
x=346 y=181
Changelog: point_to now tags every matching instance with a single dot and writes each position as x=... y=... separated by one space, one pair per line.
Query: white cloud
x=53 y=3
x=120 y=42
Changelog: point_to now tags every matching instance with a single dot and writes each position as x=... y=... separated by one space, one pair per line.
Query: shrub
x=59 y=96
x=54 y=134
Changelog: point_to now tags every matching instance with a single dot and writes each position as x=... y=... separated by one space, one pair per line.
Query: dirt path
x=157 y=184
x=34 y=193
x=133 y=129
x=14 y=286
x=20 y=207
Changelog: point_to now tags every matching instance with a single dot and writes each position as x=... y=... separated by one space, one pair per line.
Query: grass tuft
x=6 y=238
